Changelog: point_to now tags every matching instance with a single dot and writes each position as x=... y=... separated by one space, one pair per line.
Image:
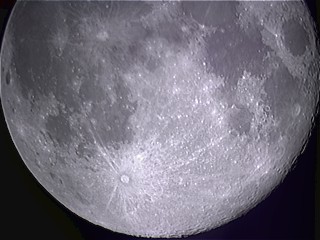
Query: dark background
x=28 y=211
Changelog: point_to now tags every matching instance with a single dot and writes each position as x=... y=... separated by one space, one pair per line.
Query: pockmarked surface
x=159 y=119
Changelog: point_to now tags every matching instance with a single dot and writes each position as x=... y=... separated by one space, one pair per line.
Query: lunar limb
x=124 y=110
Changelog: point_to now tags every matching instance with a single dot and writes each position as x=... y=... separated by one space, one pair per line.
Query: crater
x=8 y=78
x=296 y=109
x=56 y=178
x=295 y=37
x=125 y=178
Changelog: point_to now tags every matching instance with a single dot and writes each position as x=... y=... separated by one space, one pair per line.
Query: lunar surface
x=159 y=119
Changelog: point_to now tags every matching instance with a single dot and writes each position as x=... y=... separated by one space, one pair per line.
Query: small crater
x=279 y=151
x=295 y=37
x=8 y=78
x=124 y=178
x=82 y=198
x=55 y=178
x=296 y=109
x=103 y=36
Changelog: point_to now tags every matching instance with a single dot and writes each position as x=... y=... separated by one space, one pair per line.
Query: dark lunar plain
x=28 y=211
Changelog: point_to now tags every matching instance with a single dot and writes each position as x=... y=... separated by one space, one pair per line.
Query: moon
x=160 y=119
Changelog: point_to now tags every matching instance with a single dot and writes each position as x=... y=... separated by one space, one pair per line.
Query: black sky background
x=29 y=211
